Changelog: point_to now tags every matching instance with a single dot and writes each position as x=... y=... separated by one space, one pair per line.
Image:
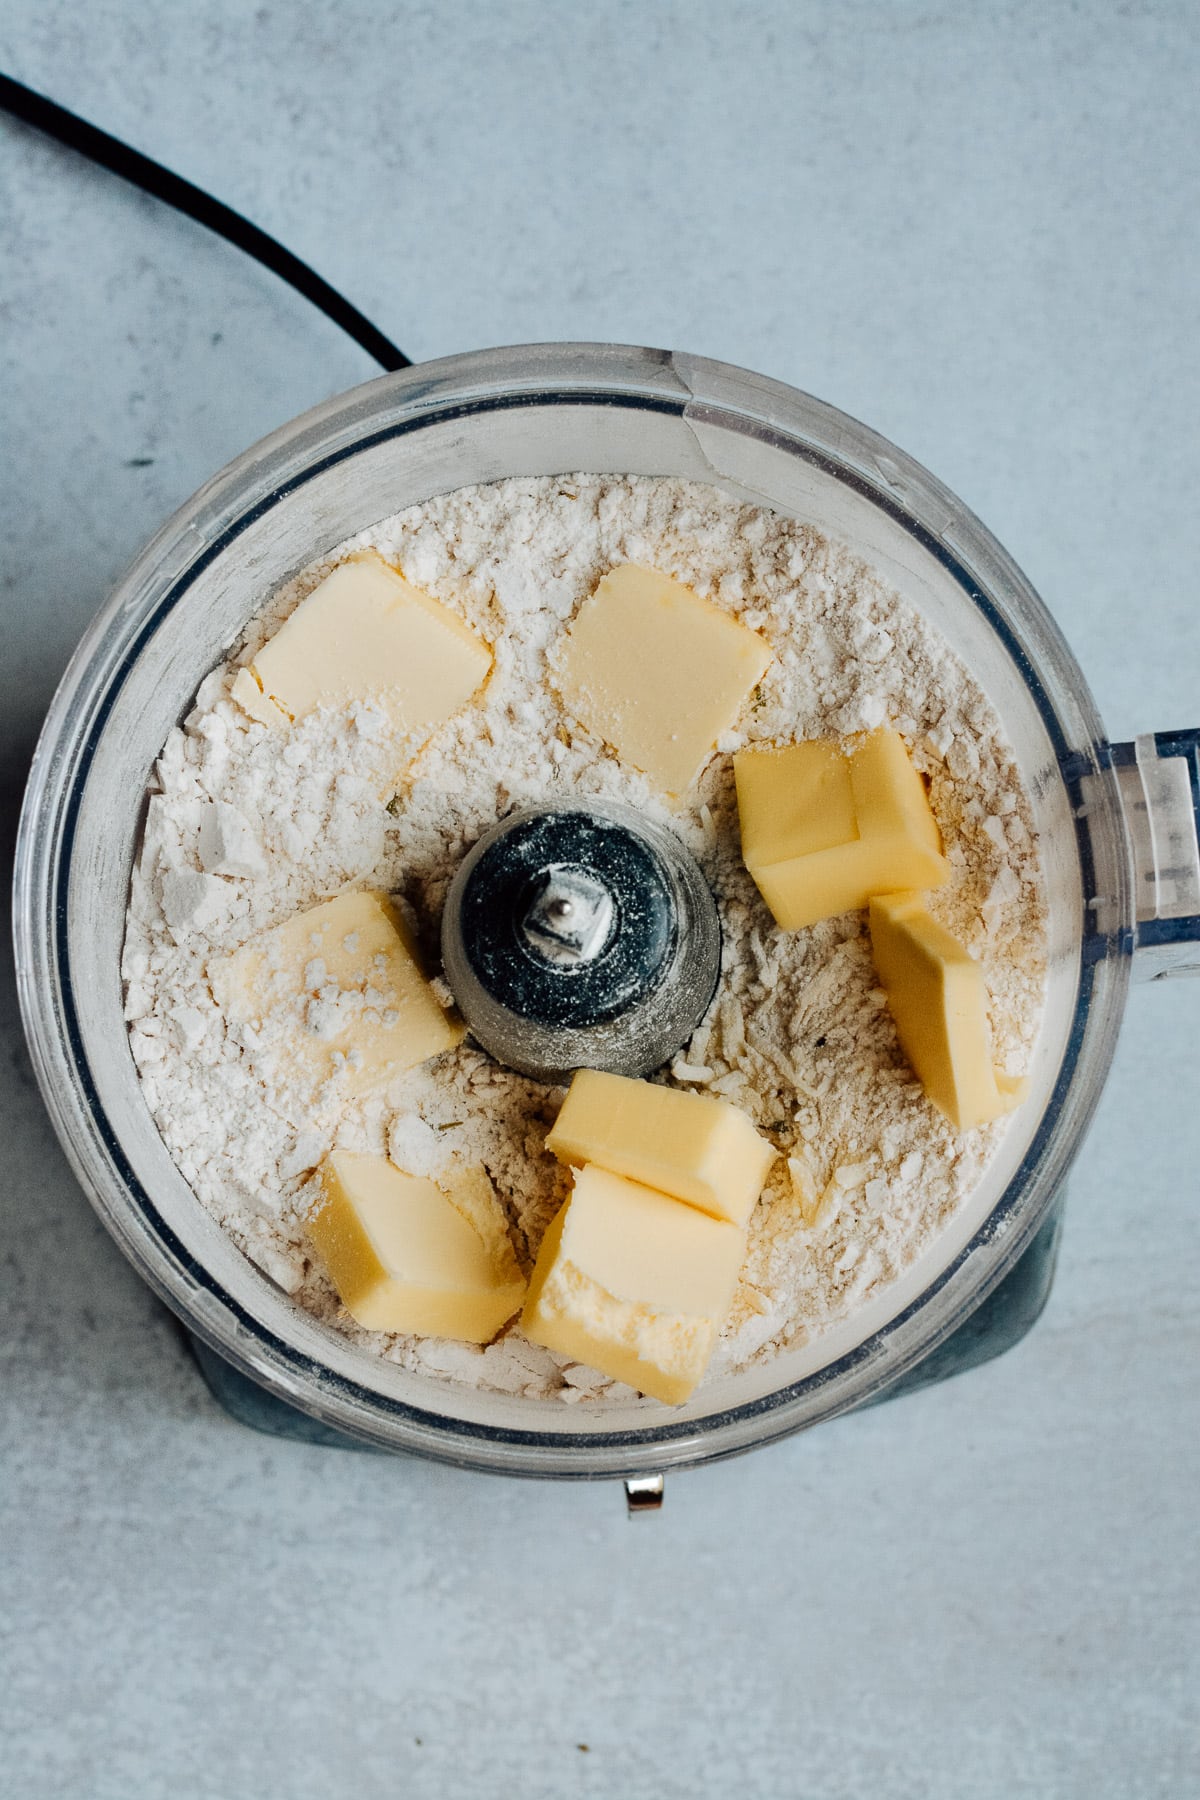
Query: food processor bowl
x=1116 y=827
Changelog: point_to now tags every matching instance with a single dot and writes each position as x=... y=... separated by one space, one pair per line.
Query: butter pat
x=936 y=995
x=337 y=990
x=247 y=691
x=692 y=1146
x=366 y=634
x=406 y=1255
x=657 y=672
x=632 y=1283
x=822 y=832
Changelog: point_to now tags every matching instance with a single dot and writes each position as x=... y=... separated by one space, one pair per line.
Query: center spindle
x=571 y=916
x=580 y=936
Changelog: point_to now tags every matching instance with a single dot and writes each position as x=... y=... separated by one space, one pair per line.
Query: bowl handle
x=1159 y=780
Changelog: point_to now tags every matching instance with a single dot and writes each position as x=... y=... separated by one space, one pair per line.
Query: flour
x=247 y=825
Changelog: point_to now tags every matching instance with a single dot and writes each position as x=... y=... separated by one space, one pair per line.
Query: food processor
x=1117 y=827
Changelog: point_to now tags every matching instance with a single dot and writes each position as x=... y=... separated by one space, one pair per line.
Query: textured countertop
x=974 y=228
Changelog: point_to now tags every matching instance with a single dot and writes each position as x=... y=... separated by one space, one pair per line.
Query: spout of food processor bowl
x=1158 y=782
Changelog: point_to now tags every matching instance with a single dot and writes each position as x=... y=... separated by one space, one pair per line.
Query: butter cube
x=892 y=808
x=366 y=634
x=337 y=990
x=658 y=672
x=936 y=995
x=822 y=831
x=692 y=1146
x=406 y=1255
x=632 y=1283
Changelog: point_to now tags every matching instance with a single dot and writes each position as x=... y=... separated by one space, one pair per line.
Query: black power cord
x=77 y=134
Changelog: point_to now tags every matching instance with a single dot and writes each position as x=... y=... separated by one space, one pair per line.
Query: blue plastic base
x=1002 y=1321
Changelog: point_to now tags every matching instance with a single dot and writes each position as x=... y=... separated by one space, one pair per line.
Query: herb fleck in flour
x=247 y=826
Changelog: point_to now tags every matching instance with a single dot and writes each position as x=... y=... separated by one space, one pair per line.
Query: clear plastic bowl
x=397 y=441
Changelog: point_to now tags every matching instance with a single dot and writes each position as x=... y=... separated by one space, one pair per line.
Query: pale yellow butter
x=936 y=994
x=822 y=831
x=633 y=1283
x=337 y=990
x=250 y=697
x=657 y=672
x=364 y=633
x=692 y=1146
x=408 y=1255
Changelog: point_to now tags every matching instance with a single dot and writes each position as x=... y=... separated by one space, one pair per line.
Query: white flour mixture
x=248 y=825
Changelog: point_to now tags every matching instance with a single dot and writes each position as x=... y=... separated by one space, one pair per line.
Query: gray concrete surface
x=974 y=227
